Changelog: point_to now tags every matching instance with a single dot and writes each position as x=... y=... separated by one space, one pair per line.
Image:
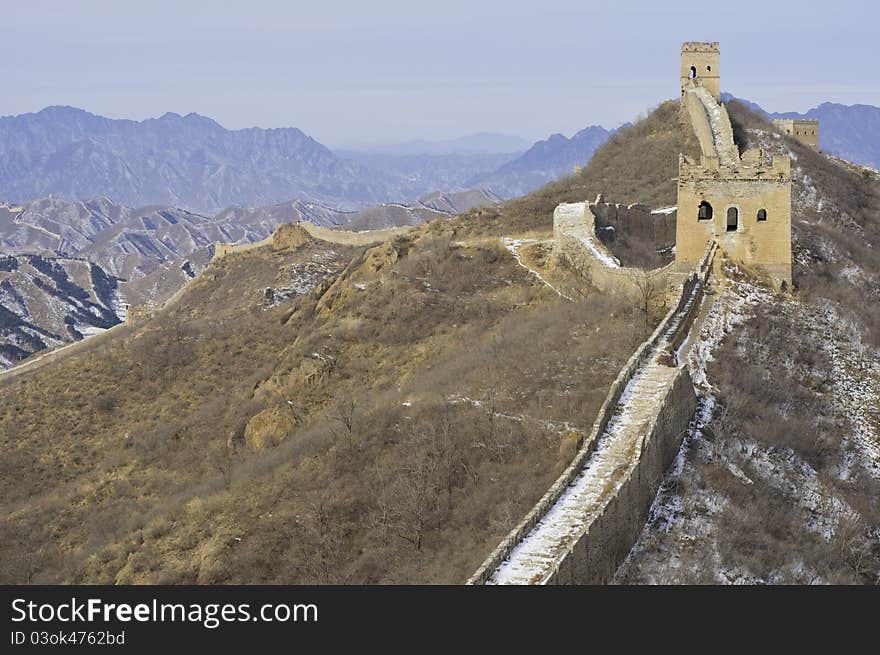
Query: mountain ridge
x=544 y=162
x=190 y=161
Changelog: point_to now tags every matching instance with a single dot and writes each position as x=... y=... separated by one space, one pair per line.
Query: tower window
x=732 y=219
x=704 y=211
x=708 y=68
x=762 y=214
x=693 y=72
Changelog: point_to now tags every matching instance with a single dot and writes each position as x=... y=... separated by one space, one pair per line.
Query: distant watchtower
x=699 y=65
x=804 y=130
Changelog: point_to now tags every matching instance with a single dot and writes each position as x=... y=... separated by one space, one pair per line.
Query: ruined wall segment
x=292 y=234
x=576 y=243
x=614 y=219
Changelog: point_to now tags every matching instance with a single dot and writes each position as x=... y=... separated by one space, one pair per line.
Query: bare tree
x=648 y=290
x=224 y=464
x=325 y=551
x=343 y=417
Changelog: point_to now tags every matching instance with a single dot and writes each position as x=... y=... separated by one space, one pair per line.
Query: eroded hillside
x=46 y=301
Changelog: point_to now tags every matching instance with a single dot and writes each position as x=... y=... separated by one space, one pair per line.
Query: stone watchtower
x=699 y=62
x=741 y=201
x=804 y=130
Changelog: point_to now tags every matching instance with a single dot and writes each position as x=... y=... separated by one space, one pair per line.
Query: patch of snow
x=665 y=210
x=531 y=561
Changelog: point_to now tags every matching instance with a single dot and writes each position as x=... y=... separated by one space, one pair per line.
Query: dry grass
x=430 y=391
x=639 y=164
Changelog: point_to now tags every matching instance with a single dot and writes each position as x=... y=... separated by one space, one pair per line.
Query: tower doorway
x=704 y=211
x=732 y=219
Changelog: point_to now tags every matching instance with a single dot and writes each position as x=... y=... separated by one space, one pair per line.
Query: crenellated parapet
x=699 y=66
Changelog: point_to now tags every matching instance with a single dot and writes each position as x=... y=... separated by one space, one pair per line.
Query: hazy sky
x=352 y=73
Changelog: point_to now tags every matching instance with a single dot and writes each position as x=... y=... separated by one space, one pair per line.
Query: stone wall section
x=595 y=556
x=742 y=202
x=576 y=243
x=282 y=238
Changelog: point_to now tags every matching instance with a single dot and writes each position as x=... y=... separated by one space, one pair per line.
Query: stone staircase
x=715 y=116
x=584 y=525
x=533 y=560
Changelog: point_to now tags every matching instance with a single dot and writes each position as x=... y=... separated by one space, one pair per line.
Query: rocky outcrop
x=290 y=236
x=269 y=428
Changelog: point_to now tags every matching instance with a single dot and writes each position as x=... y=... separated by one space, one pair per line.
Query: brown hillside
x=386 y=422
x=638 y=164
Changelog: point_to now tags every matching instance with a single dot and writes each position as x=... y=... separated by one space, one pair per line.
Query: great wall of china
x=581 y=530
x=576 y=242
x=342 y=237
x=287 y=235
x=583 y=527
x=586 y=523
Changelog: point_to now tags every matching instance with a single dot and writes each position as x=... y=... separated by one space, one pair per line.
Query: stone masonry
x=742 y=202
x=804 y=130
x=699 y=63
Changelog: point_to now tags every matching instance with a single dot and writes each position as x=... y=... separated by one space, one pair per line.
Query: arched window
x=708 y=68
x=704 y=211
x=762 y=214
x=732 y=219
x=693 y=72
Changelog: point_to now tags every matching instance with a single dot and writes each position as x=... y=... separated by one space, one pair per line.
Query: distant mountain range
x=67 y=268
x=130 y=243
x=186 y=161
x=851 y=132
x=47 y=301
x=505 y=174
x=544 y=162
x=193 y=163
x=432 y=172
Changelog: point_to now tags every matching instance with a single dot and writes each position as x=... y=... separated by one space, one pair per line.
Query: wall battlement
x=700 y=46
x=755 y=166
x=699 y=66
